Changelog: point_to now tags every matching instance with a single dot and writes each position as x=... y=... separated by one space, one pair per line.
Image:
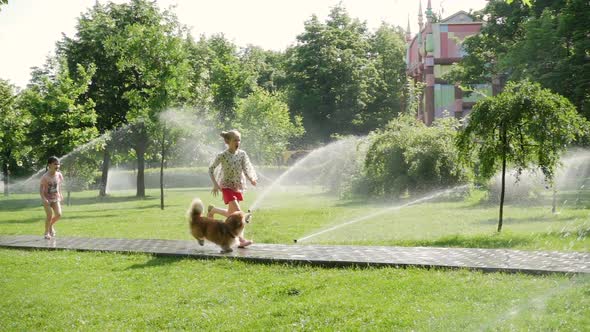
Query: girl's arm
x=43 y=190
x=212 y=167
x=249 y=169
x=61 y=182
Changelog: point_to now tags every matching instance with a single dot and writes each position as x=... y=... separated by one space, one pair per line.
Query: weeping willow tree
x=525 y=127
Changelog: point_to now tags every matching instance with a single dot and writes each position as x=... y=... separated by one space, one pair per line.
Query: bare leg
x=216 y=210
x=56 y=216
x=48 y=218
x=234 y=206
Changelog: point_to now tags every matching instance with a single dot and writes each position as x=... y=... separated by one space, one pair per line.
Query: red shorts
x=230 y=195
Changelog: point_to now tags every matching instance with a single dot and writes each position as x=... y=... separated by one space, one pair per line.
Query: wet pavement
x=490 y=260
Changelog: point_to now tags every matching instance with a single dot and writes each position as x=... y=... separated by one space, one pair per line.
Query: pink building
x=430 y=55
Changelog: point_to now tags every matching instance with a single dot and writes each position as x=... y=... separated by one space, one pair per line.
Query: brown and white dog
x=224 y=234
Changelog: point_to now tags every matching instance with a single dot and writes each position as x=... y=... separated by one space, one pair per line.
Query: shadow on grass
x=155 y=261
x=19 y=204
x=23 y=204
x=460 y=241
x=32 y=220
x=500 y=241
x=109 y=199
x=76 y=216
x=514 y=221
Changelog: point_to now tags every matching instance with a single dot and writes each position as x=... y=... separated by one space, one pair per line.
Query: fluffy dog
x=224 y=234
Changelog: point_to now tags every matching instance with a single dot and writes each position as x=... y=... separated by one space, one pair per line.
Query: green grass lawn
x=69 y=290
x=90 y=291
x=297 y=214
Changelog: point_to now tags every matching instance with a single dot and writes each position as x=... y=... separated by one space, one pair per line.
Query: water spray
x=420 y=200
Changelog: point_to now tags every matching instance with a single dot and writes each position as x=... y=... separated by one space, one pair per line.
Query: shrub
x=409 y=157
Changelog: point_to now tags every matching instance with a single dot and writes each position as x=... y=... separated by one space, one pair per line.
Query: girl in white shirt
x=235 y=164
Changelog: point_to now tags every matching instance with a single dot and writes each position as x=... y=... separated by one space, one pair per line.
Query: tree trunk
x=503 y=189
x=5 y=176
x=162 y=168
x=554 y=204
x=140 y=173
x=106 y=164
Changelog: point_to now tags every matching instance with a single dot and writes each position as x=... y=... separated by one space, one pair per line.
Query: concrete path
x=491 y=260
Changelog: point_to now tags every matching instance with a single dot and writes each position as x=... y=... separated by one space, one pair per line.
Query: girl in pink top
x=50 y=190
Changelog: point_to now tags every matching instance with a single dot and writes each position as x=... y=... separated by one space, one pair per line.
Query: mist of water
x=199 y=140
x=28 y=184
x=120 y=179
x=573 y=175
x=536 y=303
x=386 y=210
x=323 y=166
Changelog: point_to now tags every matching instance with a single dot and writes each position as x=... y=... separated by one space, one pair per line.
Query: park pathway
x=490 y=260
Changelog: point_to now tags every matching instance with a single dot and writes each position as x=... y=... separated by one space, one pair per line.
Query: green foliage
x=408 y=156
x=538 y=125
x=388 y=51
x=543 y=41
x=199 y=58
x=14 y=128
x=264 y=121
x=525 y=127
x=228 y=80
x=266 y=68
x=341 y=79
x=60 y=121
x=526 y=2
x=143 y=67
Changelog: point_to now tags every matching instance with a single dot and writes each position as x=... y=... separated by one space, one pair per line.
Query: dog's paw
x=201 y=242
x=225 y=251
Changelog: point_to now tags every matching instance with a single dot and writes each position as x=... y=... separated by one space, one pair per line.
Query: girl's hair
x=229 y=135
x=51 y=160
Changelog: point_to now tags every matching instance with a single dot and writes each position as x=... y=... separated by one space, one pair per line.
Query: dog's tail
x=195 y=210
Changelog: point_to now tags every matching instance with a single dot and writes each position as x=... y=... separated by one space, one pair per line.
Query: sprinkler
x=295 y=240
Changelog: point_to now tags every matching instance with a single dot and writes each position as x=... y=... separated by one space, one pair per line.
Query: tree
x=60 y=122
x=228 y=81
x=13 y=131
x=388 y=51
x=546 y=42
x=199 y=57
x=142 y=68
x=265 y=68
x=329 y=74
x=88 y=47
x=264 y=120
x=525 y=127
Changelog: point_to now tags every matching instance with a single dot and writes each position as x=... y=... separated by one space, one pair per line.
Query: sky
x=29 y=29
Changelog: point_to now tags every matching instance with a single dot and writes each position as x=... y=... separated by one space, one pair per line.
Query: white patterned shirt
x=233 y=168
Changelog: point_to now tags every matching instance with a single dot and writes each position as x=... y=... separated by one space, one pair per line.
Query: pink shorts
x=231 y=195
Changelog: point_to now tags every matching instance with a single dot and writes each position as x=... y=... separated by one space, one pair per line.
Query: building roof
x=459 y=17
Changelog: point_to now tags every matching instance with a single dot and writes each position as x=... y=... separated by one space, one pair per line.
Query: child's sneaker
x=47 y=236
x=245 y=243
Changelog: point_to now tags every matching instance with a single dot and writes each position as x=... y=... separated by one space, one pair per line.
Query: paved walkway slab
x=504 y=260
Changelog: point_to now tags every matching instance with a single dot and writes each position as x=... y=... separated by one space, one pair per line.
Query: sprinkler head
x=295 y=240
